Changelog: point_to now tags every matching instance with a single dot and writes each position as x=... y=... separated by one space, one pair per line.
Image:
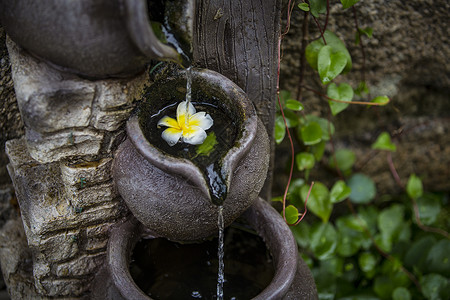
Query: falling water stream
x=220 y=224
x=220 y=254
x=188 y=91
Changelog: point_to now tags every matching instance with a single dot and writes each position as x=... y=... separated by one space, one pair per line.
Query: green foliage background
x=358 y=244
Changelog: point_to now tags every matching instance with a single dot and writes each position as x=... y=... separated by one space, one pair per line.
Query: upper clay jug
x=171 y=195
x=93 y=38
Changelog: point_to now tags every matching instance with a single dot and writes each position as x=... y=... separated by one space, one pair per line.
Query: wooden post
x=239 y=39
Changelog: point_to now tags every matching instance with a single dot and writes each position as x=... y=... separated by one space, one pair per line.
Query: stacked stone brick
x=61 y=169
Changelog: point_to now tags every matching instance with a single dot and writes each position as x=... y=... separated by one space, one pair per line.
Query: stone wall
x=10 y=121
x=61 y=173
x=407 y=60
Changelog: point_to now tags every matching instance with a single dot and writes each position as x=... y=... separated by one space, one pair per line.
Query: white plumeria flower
x=189 y=126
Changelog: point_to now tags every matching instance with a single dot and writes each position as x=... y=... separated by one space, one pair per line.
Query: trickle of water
x=220 y=254
x=188 y=91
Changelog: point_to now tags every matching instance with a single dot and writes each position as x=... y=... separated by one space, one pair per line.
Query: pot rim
x=138 y=25
x=261 y=216
x=185 y=167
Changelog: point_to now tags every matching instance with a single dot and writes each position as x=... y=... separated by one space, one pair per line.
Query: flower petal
x=202 y=120
x=171 y=135
x=168 y=121
x=181 y=109
x=195 y=136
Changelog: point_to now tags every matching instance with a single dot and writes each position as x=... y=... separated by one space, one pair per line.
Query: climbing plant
x=392 y=248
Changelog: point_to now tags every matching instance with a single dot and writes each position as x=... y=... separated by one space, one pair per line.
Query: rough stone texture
x=73 y=174
x=55 y=220
x=83 y=265
x=97 y=237
x=68 y=143
x=11 y=125
x=67 y=116
x=16 y=260
x=407 y=60
x=61 y=175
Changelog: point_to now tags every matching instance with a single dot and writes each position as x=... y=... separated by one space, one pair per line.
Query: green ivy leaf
x=292 y=119
x=363 y=188
x=323 y=239
x=312 y=51
x=208 y=145
x=368 y=215
x=348 y=3
x=417 y=253
x=429 y=208
x=319 y=200
x=333 y=265
x=438 y=259
x=384 y=142
x=345 y=159
x=330 y=64
x=277 y=199
x=294 y=105
x=368 y=31
x=361 y=89
x=414 y=187
x=367 y=262
x=383 y=286
x=305 y=161
x=313 y=48
x=382 y=100
x=318 y=7
x=401 y=293
x=291 y=214
x=343 y=92
x=301 y=234
x=326 y=126
x=294 y=192
x=318 y=150
x=280 y=129
x=349 y=240
x=304 y=6
x=390 y=223
x=435 y=287
x=311 y=133
x=339 y=192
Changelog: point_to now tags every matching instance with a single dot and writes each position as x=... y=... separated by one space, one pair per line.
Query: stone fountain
x=80 y=222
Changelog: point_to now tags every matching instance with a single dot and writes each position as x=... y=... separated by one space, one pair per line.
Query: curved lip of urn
x=138 y=25
x=261 y=216
x=185 y=167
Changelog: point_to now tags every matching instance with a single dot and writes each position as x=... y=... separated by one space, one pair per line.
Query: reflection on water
x=168 y=270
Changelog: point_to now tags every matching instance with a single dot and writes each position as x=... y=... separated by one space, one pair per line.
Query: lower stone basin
x=291 y=280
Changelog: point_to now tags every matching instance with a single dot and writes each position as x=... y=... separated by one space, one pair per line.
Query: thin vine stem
x=320 y=30
x=305 y=207
x=327 y=16
x=290 y=8
x=414 y=202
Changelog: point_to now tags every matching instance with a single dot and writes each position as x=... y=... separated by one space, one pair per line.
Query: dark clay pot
x=169 y=195
x=292 y=278
x=94 y=38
